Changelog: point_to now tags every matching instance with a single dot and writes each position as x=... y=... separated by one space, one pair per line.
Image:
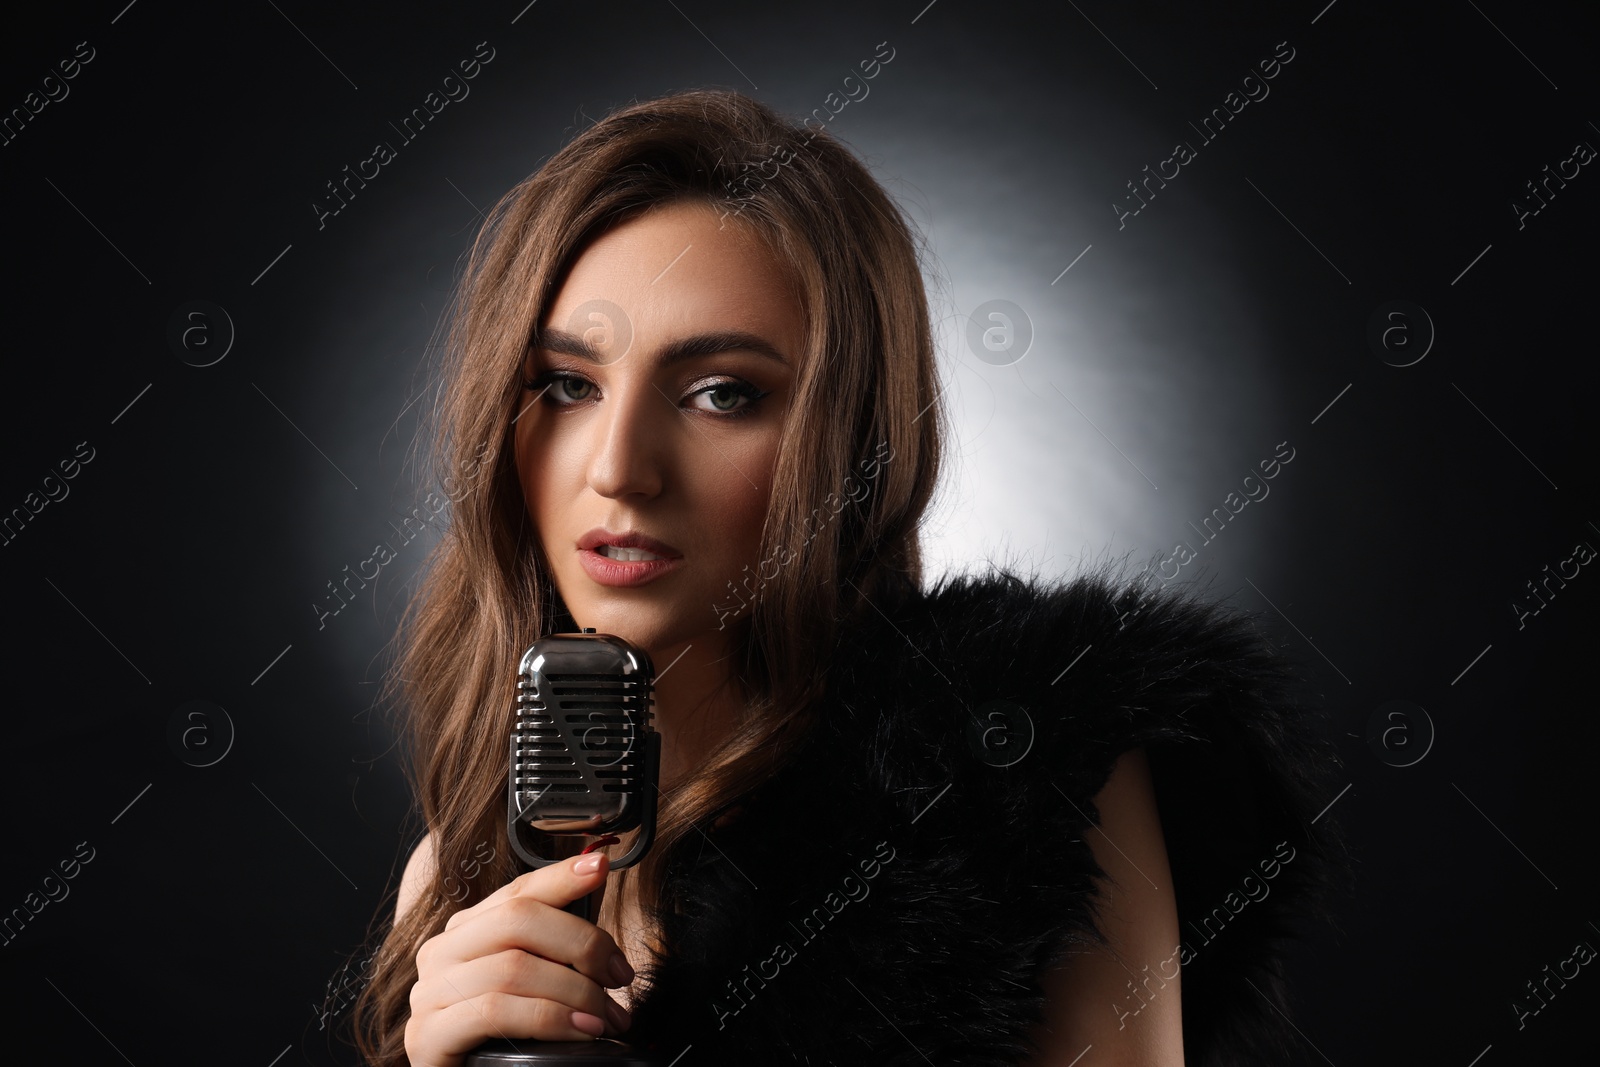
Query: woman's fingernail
x=588 y=865
x=589 y=1024
x=619 y=1016
x=621 y=970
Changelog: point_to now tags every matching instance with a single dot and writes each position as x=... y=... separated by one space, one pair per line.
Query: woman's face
x=666 y=370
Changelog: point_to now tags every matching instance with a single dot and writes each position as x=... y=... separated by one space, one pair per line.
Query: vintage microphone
x=585 y=761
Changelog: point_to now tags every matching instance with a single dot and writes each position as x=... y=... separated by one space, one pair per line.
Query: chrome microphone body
x=585 y=761
x=584 y=755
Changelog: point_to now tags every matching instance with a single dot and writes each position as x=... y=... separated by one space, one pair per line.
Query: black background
x=1231 y=314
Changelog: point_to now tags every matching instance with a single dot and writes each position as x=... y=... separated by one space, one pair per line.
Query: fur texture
x=893 y=895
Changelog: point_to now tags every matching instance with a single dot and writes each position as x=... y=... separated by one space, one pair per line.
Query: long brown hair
x=866 y=406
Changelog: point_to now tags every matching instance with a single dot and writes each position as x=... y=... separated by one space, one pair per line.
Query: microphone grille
x=578 y=744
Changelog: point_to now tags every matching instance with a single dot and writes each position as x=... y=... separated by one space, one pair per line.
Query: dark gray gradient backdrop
x=1181 y=347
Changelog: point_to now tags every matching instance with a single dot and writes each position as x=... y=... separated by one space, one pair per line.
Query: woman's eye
x=725 y=397
x=557 y=388
x=731 y=398
x=568 y=388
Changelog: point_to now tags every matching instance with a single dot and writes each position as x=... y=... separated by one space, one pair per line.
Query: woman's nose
x=630 y=434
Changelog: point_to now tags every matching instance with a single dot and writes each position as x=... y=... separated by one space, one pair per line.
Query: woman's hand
x=499 y=969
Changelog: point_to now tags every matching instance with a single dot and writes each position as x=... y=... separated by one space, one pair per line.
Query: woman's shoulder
x=1030 y=689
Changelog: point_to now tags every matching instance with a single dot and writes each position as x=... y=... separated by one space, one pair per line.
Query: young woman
x=692 y=401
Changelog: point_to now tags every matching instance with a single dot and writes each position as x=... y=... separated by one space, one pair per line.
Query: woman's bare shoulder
x=418 y=873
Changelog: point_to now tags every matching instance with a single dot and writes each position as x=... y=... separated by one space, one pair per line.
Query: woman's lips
x=623 y=573
x=631 y=539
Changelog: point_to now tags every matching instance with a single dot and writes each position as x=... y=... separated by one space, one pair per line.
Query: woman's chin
x=642 y=627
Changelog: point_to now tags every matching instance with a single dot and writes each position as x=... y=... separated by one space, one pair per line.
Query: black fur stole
x=892 y=896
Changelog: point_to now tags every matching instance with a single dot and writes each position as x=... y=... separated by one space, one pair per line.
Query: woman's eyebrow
x=694 y=346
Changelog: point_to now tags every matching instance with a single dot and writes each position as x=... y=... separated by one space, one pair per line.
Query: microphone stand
x=604 y=1051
